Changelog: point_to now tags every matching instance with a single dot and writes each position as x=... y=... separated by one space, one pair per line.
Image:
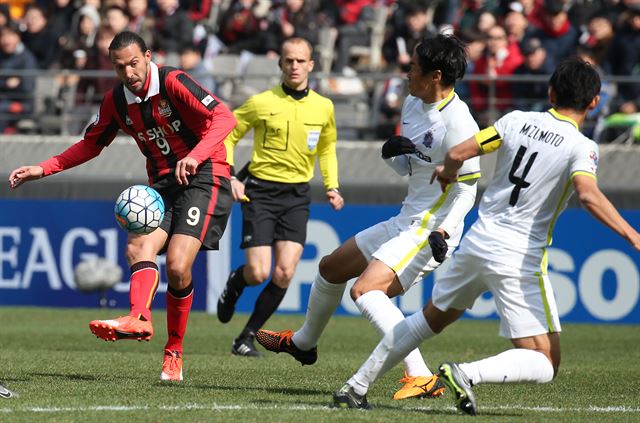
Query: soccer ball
x=139 y=209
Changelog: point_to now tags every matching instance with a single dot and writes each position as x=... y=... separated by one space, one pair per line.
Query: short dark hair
x=445 y=53
x=576 y=83
x=126 y=38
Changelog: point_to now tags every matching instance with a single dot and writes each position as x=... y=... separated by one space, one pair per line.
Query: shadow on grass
x=64 y=376
x=214 y=387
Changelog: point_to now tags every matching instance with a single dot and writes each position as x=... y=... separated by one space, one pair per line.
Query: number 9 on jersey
x=139 y=209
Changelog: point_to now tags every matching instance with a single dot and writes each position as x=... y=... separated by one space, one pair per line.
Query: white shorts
x=400 y=244
x=524 y=301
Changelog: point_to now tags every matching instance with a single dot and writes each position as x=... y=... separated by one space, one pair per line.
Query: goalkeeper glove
x=397 y=145
x=438 y=245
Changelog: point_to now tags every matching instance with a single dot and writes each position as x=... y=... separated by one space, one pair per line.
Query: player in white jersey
x=540 y=157
x=388 y=258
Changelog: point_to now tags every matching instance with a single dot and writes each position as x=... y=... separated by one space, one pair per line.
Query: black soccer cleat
x=243 y=346
x=281 y=342
x=346 y=397
x=227 y=301
x=455 y=379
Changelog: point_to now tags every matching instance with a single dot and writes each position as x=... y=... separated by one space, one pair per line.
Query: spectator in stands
x=516 y=23
x=95 y=3
x=141 y=20
x=191 y=62
x=485 y=20
x=82 y=36
x=197 y=10
x=471 y=11
x=580 y=11
x=399 y=46
x=595 y=117
x=554 y=30
x=500 y=58
x=626 y=60
x=352 y=18
x=533 y=95
x=174 y=30
x=116 y=18
x=5 y=17
x=241 y=28
x=60 y=14
x=91 y=90
x=476 y=42
x=16 y=91
x=293 y=18
x=39 y=37
x=599 y=40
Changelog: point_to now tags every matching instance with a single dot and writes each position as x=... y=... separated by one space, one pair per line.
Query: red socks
x=144 y=282
x=178 y=308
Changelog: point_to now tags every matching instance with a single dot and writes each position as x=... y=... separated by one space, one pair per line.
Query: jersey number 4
x=519 y=181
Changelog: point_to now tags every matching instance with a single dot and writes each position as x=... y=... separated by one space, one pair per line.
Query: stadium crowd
x=505 y=38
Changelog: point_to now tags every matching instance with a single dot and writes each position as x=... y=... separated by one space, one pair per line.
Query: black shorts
x=200 y=209
x=276 y=212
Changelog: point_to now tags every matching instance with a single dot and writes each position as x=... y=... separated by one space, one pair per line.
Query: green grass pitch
x=63 y=373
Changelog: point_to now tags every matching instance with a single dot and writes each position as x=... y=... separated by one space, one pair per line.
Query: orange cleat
x=172 y=366
x=281 y=342
x=420 y=387
x=125 y=327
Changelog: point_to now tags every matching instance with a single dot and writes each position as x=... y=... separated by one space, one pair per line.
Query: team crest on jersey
x=127 y=120
x=594 y=157
x=427 y=141
x=164 y=109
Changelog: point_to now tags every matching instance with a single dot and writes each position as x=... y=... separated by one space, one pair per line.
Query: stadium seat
x=373 y=51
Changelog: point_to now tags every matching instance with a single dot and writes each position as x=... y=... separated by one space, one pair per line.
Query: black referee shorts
x=200 y=209
x=277 y=212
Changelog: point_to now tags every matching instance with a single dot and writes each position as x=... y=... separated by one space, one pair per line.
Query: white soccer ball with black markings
x=139 y=209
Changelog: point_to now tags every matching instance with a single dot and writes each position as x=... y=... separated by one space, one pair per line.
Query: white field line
x=232 y=407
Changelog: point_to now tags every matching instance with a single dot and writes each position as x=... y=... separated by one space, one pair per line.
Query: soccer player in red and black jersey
x=180 y=128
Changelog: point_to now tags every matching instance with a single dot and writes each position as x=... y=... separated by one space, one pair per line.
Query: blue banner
x=594 y=272
x=42 y=241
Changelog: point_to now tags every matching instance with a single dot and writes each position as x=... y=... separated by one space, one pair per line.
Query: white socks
x=511 y=366
x=384 y=315
x=394 y=346
x=323 y=302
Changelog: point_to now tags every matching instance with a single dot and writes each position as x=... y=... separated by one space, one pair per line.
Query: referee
x=292 y=125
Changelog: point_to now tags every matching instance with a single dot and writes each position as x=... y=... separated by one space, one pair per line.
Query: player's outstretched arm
x=24 y=174
x=453 y=161
x=601 y=208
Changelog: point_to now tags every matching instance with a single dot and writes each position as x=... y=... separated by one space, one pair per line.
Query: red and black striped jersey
x=177 y=118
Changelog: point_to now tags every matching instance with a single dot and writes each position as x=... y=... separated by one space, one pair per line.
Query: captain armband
x=488 y=140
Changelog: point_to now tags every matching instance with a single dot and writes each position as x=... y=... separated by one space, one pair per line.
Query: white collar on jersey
x=154 y=86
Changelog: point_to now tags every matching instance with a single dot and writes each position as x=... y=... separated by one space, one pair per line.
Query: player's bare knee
x=358 y=290
x=282 y=275
x=134 y=252
x=326 y=269
x=255 y=274
x=178 y=271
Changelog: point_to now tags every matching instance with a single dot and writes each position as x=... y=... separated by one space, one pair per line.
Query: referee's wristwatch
x=336 y=190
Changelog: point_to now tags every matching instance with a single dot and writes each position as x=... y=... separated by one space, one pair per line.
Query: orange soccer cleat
x=420 y=387
x=172 y=366
x=281 y=342
x=125 y=327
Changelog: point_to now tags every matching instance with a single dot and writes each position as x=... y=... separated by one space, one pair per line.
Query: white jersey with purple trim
x=434 y=129
x=539 y=154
